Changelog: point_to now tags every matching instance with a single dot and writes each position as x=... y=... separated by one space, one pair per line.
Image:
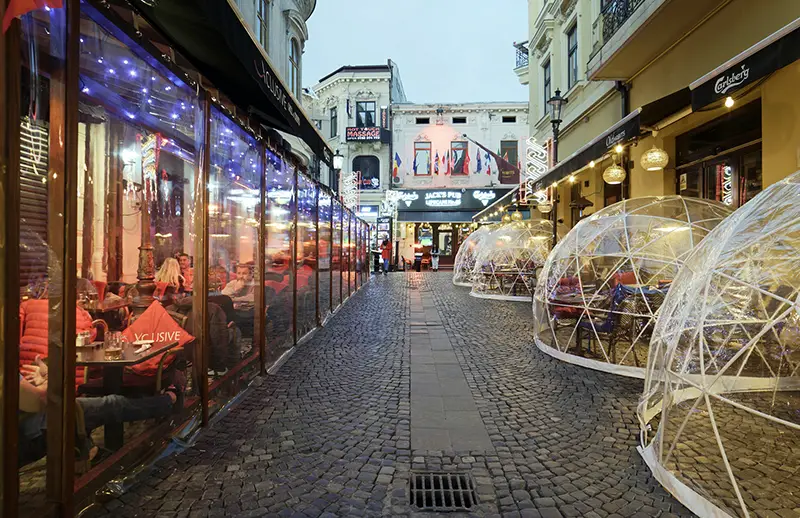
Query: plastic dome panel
x=464 y=263
x=720 y=412
x=601 y=289
x=507 y=262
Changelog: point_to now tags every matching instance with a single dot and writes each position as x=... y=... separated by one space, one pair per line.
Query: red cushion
x=100 y=286
x=155 y=324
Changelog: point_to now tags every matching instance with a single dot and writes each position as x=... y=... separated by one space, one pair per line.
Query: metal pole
x=555 y=187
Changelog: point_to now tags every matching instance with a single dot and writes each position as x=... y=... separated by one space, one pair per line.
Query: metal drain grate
x=442 y=491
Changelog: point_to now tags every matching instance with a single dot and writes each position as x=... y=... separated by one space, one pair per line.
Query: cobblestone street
x=414 y=374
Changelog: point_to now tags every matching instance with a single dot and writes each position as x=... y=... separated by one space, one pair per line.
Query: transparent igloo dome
x=720 y=413
x=601 y=288
x=464 y=263
x=507 y=262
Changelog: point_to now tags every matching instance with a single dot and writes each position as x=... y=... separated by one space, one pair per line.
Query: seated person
x=97 y=411
x=186 y=270
x=169 y=275
x=242 y=292
x=242 y=289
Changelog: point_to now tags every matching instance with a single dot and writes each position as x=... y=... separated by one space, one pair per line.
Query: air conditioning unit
x=397 y=180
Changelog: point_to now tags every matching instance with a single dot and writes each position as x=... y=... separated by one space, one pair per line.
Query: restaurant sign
x=370 y=134
x=448 y=199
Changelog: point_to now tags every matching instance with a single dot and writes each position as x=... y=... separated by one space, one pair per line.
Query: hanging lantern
x=614 y=174
x=545 y=207
x=654 y=159
x=506 y=218
x=516 y=216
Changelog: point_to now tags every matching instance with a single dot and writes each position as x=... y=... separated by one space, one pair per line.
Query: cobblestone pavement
x=332 y=433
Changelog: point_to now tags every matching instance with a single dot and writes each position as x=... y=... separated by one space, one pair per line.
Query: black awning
x=623 y=131
x=211 y=36
x=773 y=53
x=435 y=216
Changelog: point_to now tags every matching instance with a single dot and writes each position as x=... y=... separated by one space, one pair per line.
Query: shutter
x=33 y=202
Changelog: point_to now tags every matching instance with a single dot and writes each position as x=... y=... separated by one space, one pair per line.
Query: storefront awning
x=765 y=57
x=435 y=216
x=625 y=130
x=211 y=36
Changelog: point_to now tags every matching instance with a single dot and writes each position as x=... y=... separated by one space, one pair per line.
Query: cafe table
x=113 y=370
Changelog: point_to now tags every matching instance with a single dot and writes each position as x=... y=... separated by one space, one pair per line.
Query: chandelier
x=614 y=174
x=654 y=159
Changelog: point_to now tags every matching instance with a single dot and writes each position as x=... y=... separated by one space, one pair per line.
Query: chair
x=426 y=263
x=606 y=325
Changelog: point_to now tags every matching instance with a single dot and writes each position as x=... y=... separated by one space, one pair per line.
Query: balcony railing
x=522 y=55
x=614 y=13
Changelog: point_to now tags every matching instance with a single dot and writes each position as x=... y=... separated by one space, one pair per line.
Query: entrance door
x=446 y=246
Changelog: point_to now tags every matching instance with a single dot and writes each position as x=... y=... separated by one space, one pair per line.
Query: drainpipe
x=625 y=97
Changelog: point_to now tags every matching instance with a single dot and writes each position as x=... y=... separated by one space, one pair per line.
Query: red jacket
x=386 y=251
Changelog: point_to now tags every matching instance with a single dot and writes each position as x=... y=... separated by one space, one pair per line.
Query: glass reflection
x=325 y=242
x=337 y=257
x=306 y=255
x=279 y=281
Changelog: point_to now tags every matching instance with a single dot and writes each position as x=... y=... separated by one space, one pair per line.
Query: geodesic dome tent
x=720 y=413
x=464 y=263
x=506 y=263
x=596 y=301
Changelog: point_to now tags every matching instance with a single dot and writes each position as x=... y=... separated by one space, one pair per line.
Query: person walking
x=386 y=255
x=435 y=259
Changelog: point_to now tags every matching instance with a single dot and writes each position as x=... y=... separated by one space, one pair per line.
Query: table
x=107 y=311
x=113 y=370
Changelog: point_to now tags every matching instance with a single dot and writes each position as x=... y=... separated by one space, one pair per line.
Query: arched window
x=294 y=67
x=370 y=169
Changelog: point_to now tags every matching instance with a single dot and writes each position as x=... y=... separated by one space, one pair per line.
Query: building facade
x=351 y=107
x=633 y=74
x=442 y=172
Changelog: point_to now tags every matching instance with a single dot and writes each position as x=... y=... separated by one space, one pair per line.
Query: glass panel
x=325 y=242
x=234 y=186
x=337 y=262
x=750 y=178
x=721 y=181
x=41 y=251
x=306 y=255
x=279 y=289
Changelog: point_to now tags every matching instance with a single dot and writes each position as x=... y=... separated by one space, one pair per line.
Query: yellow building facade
x=655 y=61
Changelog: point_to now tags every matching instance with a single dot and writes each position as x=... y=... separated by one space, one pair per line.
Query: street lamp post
x=338 y=162
x=556 y=104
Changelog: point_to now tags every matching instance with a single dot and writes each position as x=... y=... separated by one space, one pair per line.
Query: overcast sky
x=447 y=50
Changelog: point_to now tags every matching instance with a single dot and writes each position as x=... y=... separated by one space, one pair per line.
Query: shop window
x=572 y=56
x=294 y=67
x=307 y=255
x=279 y=297
x=422 y=159
x=345 y=254
x=458 y=158
x=336 y=257
x=334 y=122
x=325 y=252
x=369 y=168
x=365 y=114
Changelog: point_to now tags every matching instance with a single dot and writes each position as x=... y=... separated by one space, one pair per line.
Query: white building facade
x=352 y=108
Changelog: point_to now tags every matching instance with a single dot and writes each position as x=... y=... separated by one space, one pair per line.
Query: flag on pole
x=480 y=166
x=466 y=161
x=452 y=162
x=397 y=164
x=18 y=8
x=488 y=164
x=436 y=164
x=414 y=165
x=447 y=162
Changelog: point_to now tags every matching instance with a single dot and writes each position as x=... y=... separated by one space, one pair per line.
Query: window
x=572 y=56
x=422 y=159
x=334 y=122
x=459 y=120
x=365 y=114
x=509 y=151
x=294 y=67
x=423 y=120
x=547 y=85
x=459 y=158
x=263 y=23
x=370 y=169
x=507 y=119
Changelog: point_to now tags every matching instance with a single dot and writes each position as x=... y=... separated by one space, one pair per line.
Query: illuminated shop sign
x=371 y=134
x=448 y=199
